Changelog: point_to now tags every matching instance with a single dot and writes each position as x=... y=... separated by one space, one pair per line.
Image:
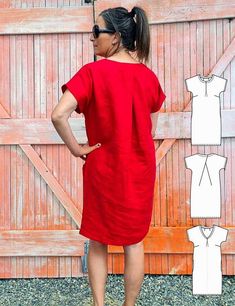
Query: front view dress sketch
x=207 y=273
x=205 y=199
x=206 y=114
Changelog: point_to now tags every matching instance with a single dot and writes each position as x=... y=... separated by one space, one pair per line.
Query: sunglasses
x=96 y=31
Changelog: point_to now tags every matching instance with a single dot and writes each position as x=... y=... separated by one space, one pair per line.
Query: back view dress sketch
x=205 y=199
x=206 y=115
x=207 y=273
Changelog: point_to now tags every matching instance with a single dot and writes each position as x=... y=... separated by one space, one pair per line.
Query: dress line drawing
x=207 y=273
x=206 y=126
x=205 y=191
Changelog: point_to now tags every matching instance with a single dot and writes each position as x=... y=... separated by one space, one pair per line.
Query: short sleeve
x=190 y=233
x=221 y=84
x=222 y=235
x=80 y=85
x=221 y=161
x=158 y=99
x=189 y=161
x=189 y=84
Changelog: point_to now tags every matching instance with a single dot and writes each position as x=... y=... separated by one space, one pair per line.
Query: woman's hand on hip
x=85 y=149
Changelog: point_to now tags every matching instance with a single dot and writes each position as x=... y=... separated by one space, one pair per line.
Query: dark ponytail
x=134 y=29
x=142 y=34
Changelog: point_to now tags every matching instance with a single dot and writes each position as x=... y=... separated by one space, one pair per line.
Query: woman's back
x=117 y=99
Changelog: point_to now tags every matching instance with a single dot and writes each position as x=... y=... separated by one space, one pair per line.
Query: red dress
x=118 y=178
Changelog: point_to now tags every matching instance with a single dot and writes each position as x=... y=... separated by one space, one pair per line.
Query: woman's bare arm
x=59 y=118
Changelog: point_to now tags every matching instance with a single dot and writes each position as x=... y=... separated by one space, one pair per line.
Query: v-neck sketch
x=207 y=274
x=206 y=114
x=205 y=195
x=211 y=231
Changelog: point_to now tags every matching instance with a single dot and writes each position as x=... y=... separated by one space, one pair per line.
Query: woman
x=116 y=94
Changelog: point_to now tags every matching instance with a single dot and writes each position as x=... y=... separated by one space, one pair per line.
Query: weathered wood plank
x=37 y=131
x=41 y=131
x=46 y=20
x=65 y=20
x=41 y=243
x=176 y=11
x=174 y=240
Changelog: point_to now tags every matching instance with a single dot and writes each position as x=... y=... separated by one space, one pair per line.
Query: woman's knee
x=133 y=246
x=97 y=244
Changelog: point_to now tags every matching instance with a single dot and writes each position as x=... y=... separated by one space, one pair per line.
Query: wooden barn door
x=41 y=182
x=41 y=47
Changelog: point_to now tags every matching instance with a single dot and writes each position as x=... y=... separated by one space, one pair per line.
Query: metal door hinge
x=84 y=257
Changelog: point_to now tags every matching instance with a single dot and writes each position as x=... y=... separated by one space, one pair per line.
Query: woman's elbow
x=55 y=116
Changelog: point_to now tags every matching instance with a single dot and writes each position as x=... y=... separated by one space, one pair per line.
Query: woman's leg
x=133 y=272
x=97 y=271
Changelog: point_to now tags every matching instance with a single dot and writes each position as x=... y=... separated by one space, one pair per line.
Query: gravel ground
x=157 y=290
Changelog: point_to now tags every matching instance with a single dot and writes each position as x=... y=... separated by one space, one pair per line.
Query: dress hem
x=204 y=217
x=109 y=242
x=197 y=293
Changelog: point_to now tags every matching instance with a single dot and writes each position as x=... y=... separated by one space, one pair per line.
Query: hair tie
x=132 y=13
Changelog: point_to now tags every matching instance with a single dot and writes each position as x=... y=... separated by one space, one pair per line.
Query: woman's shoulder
x=105 y=64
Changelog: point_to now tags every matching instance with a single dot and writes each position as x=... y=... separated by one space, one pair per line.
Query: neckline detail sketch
x=209 y=79
x=212 y=228
x=206 y=104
